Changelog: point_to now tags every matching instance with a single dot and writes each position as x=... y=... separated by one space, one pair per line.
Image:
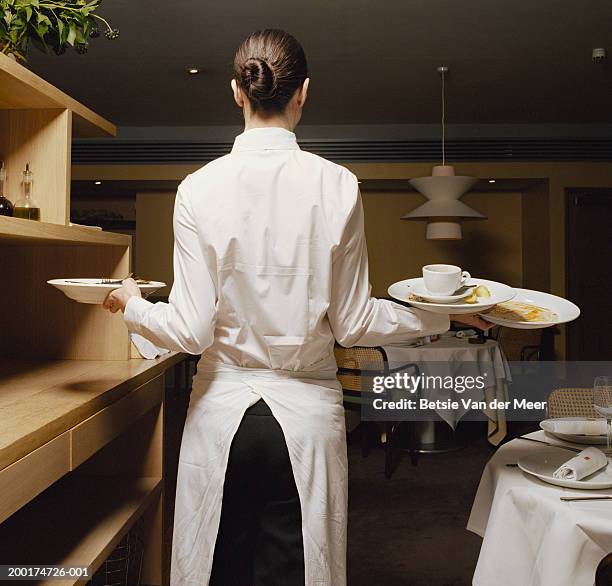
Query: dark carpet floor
x=410 y=530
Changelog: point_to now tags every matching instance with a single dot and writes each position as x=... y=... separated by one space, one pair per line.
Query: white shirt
x=270 y=266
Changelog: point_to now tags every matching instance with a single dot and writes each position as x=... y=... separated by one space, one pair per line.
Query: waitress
x=270 y=268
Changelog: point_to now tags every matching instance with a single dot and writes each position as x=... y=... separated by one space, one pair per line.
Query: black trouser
x=260 y=535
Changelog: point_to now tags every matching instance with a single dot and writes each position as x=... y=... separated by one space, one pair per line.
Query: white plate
x=91 y=291
x=419 y=289
x=565 y=310
x=499 y=293
x=571 y=429
x=542 y=464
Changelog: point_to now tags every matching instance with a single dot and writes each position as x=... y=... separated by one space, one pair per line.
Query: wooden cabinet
x=81 y=416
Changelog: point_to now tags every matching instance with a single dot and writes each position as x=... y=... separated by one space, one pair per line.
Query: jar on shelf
x=25 y=206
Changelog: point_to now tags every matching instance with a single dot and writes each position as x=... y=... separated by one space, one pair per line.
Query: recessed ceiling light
x=491 y=180
x=98 y=182
x=193 y=70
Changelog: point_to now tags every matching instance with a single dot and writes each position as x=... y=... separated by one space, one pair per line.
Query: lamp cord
x=443 y=123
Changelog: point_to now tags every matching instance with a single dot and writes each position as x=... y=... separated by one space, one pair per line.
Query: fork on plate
x=114 y=281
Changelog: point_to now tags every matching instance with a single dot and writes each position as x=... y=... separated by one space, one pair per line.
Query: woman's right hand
x=471 y=319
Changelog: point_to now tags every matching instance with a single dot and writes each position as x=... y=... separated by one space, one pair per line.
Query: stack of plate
x=558 y=310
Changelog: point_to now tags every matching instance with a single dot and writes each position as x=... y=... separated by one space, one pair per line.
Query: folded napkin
x=582 y=465
x=580 y=426
x=147 y=349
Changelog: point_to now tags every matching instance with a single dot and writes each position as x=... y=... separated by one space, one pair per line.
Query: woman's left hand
x=117 y=299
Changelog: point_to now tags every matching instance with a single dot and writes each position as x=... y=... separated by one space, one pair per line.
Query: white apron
x=270 y=267
x=310 y=412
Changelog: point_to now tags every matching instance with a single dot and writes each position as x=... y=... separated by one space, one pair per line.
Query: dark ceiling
x=371 y=61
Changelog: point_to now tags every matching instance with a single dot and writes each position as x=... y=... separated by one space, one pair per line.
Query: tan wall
x=398 y=249
x=536 y=237
x=154 y=238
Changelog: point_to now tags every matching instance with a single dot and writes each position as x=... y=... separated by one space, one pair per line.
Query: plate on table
x=420 y=290
x=542 y=464
x=403 y=291
x=533 y=309
x=93 y=291
x=577 y=429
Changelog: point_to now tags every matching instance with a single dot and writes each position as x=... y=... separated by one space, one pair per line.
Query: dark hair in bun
x=269 y=66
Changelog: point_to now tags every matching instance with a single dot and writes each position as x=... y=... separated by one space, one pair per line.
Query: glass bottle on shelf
x=6 y=207
x=25 y=206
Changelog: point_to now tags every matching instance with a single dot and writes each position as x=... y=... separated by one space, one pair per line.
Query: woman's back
x=269 y=218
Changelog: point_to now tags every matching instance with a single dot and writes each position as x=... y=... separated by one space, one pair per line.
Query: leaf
x=28 y=10
x=41 y=29
x=72 y=32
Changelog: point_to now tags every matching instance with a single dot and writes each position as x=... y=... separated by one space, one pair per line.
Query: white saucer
x=93 y=292
x=499 y=293
x=420 y=290
x=543 y=463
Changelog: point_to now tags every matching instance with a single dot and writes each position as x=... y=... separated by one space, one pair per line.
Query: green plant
x=49 y=24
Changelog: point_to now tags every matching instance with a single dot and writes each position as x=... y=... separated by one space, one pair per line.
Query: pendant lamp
x=443 y=211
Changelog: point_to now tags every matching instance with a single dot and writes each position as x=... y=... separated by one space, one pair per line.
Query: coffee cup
x=442 y=279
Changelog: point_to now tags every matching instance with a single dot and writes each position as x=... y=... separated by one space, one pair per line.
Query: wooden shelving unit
x=37 y=122
x=81 y=416
x=36 y=127
x=88 y=534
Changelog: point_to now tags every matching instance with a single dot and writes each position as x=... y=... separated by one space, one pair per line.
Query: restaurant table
x=531 y=537
x=452 y=356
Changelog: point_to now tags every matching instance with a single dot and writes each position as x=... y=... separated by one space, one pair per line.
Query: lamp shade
x=443 y=211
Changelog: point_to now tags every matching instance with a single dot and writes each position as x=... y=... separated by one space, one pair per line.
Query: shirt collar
x=268 y=138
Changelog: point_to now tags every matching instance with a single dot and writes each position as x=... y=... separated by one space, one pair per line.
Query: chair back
x=571 y=402
x=357 y=366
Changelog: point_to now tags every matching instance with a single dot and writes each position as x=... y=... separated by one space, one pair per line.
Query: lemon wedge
x=472 y=298
x=482 y=291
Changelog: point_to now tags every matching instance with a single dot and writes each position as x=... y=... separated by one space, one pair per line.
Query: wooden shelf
x=76 y=522
x=40 y=400
x=21 y=89
x=20 y=231
x=110 y=225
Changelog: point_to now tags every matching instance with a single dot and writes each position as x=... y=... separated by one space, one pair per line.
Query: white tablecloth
x=451 y=356
x=530 y=537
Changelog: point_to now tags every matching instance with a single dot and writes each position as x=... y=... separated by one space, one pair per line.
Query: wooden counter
x=81 y=459
x=39 y=400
